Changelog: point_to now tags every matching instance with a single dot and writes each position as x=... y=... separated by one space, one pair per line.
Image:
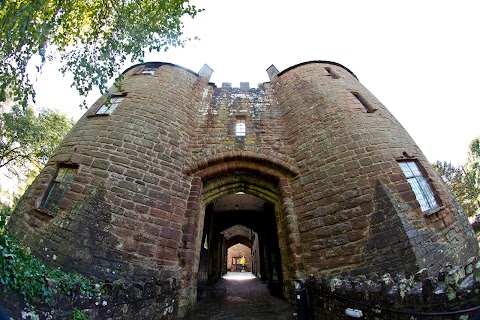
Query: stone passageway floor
x=240 y=295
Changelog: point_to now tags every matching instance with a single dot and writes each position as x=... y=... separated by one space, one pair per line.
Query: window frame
x=113 y=104
x=240 y=127
x=57 y=187
x=424 y=192
x=147 y=70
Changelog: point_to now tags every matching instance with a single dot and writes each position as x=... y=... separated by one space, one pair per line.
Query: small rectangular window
x=419 y=184
x=109 y=107
x=240 y=128
x=150 y=70
x=57 y=188
x=364 y=102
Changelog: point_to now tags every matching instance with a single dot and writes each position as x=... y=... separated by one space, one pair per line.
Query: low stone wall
x=152 y=299
x=453 y=294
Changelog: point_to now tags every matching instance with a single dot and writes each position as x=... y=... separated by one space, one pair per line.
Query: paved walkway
x=241 y=296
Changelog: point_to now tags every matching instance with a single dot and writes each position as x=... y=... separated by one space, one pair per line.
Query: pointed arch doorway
x=250 y=192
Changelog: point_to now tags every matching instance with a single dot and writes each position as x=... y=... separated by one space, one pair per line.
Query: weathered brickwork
x=318 y=148
x=219 y=112
x=343 y=153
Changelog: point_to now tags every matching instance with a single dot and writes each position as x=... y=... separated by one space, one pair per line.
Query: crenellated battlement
x=243 y=86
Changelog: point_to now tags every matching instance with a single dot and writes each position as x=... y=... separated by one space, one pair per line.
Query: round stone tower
x=367 y=199
x=323 y=175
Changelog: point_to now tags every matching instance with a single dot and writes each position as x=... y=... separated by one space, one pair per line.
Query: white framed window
x=240 y=128
x=419 y=184
x=109 y=107
x=148 y=69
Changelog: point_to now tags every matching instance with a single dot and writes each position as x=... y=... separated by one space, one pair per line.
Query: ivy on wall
x=21 y=271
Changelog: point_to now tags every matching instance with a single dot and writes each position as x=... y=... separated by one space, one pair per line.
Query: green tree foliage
x=473 y=170
x=463 y=181
x=473 y=162
x=27 y=140
x=92 y=38
x=5 y=211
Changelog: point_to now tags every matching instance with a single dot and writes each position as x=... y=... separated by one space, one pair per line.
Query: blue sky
x=419 y=58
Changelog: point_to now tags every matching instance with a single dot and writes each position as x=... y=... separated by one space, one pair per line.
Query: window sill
x=433 y=211
x=46 y=211
x=98 y=115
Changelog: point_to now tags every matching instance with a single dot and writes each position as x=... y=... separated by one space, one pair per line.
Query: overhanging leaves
x=92 y=38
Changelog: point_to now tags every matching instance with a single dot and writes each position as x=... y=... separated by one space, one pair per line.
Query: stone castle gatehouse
x=308 y=170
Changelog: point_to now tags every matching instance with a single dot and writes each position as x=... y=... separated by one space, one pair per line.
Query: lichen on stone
x=335 y=282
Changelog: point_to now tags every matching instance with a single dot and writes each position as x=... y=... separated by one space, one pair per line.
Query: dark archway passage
x=270 y=216
x=238 y=218
x=240 y=253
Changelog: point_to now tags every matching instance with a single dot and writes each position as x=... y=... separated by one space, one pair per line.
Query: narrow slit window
x=364 y=102
x=332 y=73
x=57 y=188
x=419 y=184
x=240 y=128
x=109 y=107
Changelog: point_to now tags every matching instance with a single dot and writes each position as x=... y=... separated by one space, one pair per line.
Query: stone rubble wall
x=149 y=299
x=453 y=294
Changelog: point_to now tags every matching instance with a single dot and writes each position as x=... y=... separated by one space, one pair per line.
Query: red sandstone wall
x=134 y=207
x=346 y=155
x=124 y=212
x=217 y=113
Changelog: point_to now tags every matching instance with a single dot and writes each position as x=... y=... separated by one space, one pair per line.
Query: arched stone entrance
x=256 y=216
x=255 y=177
x=237 y=241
